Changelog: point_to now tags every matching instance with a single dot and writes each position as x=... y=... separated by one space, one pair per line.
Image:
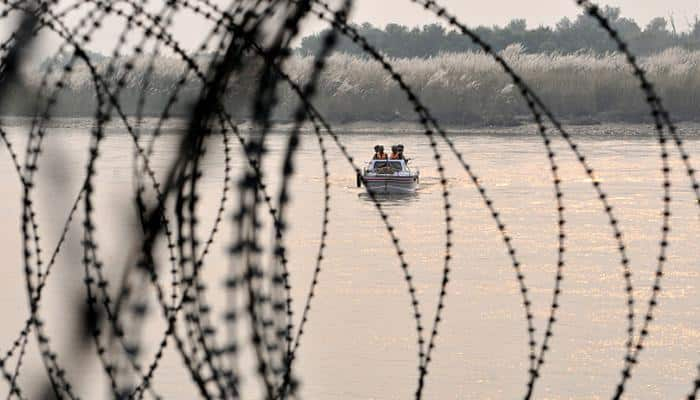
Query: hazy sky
x=537 y=12
x=189 y=30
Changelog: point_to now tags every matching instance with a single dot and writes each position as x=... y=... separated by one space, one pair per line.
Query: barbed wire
x=245 y=35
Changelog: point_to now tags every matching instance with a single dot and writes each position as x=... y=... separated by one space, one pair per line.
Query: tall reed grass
x=459 y=88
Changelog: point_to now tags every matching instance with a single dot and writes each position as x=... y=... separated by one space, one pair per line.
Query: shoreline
x=363 y=126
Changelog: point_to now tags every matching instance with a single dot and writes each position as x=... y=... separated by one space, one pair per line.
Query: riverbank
x=464 y=89
x=175 y=125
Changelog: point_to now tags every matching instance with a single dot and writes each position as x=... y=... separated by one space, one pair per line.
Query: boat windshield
x=388 y=166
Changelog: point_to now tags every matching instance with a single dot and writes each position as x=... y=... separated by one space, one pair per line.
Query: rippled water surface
x=360 y=341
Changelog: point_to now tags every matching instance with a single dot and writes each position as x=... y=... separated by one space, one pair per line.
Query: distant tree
x=655 y=37
x=517 y=26
x=693 y=37
x=568 y=36
x=564 y=24
x=612 y=13
x=657 y=25
x=627 y=27
x=430 y=39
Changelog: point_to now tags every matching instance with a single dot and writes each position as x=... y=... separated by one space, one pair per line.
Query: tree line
x=567 y=37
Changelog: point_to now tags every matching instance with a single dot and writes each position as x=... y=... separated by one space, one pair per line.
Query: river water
x=360 y=341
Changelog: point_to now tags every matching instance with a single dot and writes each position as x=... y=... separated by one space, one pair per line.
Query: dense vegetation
x=566 y=37
x=459 y=88
x=469 y=88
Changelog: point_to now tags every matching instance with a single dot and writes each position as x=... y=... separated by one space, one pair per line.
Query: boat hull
x=391 y=184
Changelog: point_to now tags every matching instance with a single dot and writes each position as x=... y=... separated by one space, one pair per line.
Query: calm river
x=360 y=341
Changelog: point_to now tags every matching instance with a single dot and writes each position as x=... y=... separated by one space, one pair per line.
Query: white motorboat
x=389 y=176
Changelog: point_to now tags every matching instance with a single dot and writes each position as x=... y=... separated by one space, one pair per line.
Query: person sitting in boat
x=379 y=153
x=399 y=150
x=394 y=153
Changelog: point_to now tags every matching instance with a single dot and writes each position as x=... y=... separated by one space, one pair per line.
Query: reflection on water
x=391 y=198
x=360 y=338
